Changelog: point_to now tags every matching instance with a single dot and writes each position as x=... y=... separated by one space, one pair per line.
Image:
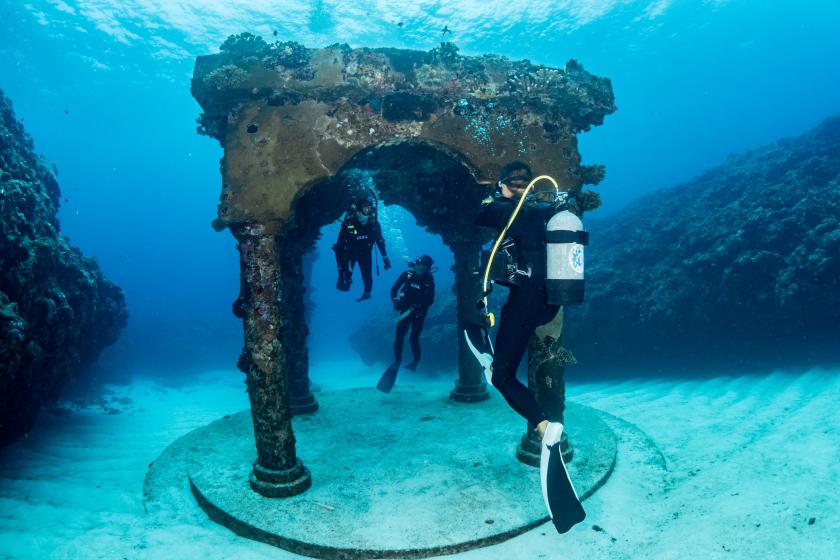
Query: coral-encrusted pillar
x=470 y=386
x=295 y=330
x=546 y=378
x=277 y=471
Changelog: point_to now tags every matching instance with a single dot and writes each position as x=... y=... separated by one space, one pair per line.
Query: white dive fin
x=561 y=499
x=479 y=344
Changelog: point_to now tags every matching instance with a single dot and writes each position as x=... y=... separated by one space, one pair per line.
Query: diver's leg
x=515 y=329
x=417 y=321
x=365 y=266
x=402 y=329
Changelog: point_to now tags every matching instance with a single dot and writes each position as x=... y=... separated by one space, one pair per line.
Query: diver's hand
x=386 y=261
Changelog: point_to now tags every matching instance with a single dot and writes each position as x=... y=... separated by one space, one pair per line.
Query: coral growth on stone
x=57 y=309
x=289 y=116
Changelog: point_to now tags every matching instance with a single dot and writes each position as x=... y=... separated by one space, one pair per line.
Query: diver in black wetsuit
x=526 y=307
x=358 y=234
x=413 y=293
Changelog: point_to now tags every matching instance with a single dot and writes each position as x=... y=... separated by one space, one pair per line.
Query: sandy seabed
x=752 y=469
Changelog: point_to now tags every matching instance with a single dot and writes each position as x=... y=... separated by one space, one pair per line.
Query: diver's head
x=515 y=176
x=422 y=264
x=364 y=210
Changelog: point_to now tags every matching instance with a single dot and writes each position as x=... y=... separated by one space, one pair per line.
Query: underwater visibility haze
x=143 y=234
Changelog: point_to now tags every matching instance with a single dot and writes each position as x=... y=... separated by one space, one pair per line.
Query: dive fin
x=386 y=382
x=561 y=499
x=478 y=341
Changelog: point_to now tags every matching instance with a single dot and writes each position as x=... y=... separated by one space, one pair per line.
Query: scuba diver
x=413 y=293
x=359 y=232
x=532 y=302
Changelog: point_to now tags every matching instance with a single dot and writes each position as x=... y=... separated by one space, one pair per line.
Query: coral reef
x=57 y=310
x=739 y=266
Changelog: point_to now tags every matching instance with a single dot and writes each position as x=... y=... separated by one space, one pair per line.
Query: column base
x=528 y=450
x=280 y=484
x=469 y=393
x=303 y=405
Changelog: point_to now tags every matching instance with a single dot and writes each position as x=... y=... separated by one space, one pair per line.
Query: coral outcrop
x=738 y=267
x=57 y=309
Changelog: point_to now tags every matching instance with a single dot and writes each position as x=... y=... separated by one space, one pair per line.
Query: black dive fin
x=478 y=341
x=386 y=382
x=559 y=494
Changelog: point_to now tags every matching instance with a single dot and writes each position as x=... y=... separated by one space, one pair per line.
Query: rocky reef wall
x=57 y=309
x=739 y=267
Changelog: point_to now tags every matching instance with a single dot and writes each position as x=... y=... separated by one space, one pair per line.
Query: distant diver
x=359 y=232
x=530 y=247
x=413 y=293
x=445 y=30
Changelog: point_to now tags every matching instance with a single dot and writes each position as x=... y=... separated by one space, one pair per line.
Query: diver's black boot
x=412 y=366
x=386 y=382
x=365 y=296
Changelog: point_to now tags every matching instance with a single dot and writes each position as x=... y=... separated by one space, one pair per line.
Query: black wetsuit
x=526 y=307
x=418 y=294
x=354 y=245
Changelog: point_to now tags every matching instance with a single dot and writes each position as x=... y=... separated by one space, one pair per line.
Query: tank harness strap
x=565 y=236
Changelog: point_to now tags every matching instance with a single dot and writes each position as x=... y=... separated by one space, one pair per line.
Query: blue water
x=103 y=87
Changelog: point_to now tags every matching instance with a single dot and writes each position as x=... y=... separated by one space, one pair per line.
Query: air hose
x=489 y=318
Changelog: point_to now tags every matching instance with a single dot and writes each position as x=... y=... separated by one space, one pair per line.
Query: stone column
x=546 y=378
x=277 y=471
x=296 y=329
x=470 y=385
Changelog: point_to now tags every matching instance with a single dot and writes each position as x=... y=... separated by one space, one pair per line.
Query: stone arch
x=289 y=118
x=434 y=184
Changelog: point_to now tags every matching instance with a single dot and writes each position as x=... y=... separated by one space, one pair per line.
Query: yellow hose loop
x=504 y=232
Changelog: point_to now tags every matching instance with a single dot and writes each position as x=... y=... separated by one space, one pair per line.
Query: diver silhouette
x=359 y=232
x=413 y=293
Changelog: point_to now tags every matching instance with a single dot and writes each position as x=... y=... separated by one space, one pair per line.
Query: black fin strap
x=566 y=236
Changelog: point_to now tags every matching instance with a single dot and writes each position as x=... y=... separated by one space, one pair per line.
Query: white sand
x=749 y=461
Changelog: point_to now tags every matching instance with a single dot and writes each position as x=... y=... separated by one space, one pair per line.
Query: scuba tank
x=565 y=239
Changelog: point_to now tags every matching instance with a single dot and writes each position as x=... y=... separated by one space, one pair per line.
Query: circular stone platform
x=408 y=474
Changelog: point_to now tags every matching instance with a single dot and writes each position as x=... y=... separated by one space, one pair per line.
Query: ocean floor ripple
x=749 y=464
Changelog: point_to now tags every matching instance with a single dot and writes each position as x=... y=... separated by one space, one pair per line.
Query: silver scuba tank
x=565 y=239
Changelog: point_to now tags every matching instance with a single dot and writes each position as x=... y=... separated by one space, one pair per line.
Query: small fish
x=66 y=112
x=275 y=33
x=400 y=24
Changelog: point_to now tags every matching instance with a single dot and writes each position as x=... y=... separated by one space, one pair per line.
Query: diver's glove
x=386 y=261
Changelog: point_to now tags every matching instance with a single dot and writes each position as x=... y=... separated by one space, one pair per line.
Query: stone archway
x=438 y=188
x=290 y=118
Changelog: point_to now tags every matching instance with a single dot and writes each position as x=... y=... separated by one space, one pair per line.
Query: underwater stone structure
x=738 y=268
x=57 y=309
x=432 y=127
